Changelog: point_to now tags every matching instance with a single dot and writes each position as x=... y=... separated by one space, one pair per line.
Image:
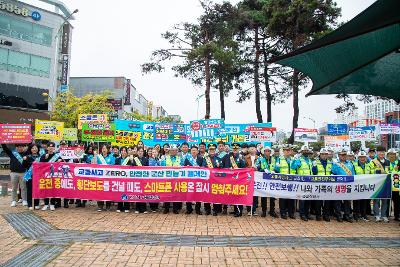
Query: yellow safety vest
x=359 y=170
x=321 y=170
x=169 y=163
x=284 y=167
x=305 y=168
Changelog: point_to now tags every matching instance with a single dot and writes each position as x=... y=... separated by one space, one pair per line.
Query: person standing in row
x=140 y=161
x=33 y=156
x=154 y=160
x=105 y=158
x=123 y=160
x=251 y=162
x=264 y=164
x=282 y=166
x=394 y=169
x=361 y=166
x=213 y=162
x=17 y=172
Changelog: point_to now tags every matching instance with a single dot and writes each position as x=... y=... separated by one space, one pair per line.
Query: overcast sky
x=113 y=38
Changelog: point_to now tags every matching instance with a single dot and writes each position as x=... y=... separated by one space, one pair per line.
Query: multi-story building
x=35 y=49
x=378 y=108
x=125 y=96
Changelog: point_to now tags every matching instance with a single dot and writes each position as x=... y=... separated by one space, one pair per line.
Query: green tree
x=296 y=23
x=67 y=107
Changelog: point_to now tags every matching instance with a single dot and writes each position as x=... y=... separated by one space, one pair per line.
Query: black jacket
x=144 y=161
x=200 y=162
x=29 y=161
x=15 y=165
x=226 y=161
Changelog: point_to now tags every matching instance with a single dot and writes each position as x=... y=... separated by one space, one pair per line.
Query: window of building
x=24 y=63
x=25 y=30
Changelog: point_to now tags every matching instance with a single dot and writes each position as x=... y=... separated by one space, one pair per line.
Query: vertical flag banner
x=49 y=130
x=15 y=134
x=305 y=135
x=70 y=134
x=99 y=132
x=88 y=118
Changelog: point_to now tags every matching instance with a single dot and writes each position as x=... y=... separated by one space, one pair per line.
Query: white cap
x=342 y=151
x=305 y=148
x=350 y=153
x=392 y=151
x=173 y=147
x=267 y=147
x=324 y=151
x=362 y=154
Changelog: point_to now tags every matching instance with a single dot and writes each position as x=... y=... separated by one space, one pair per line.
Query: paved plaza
x=83 y=237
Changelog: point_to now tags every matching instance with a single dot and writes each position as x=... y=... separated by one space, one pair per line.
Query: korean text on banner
x=366 y=133
x=88 y=118
x=100 y=132
x=72 y=152
x=143 y=184
x=126 y=138
x=170 y=132
x=262 y=134
x=305 y=135
x=15 y=134
x=49 y=130
x=206 y=128
x=336 y=142
x=331 y=187
x=70 y=134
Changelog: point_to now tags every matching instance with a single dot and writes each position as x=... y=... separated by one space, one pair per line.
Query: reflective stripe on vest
x=324 y=171
x=305 y=168
x=284 y=167
x=176 y=163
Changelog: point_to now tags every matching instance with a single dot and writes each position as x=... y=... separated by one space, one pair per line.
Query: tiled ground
x=103 y=252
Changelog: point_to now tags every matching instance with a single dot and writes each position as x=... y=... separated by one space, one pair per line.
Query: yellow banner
x=49 y=130
x=89 y=118
x=126 y=138
x=70 y=134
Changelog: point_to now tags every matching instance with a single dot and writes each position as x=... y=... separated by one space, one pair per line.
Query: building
x=378 y=109
x=125 y=97
x=35 y=48
x=344 y=118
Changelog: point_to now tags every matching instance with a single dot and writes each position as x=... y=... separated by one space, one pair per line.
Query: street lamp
x=198 y=103
x=311 y=119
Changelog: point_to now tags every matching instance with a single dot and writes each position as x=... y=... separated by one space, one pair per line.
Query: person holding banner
x=195 y=160
x=394 y=169
x=251 y=162
x=282 y=165
x=17 y=172
x=139 y=161
x=165 y=151
x=343 y=167
x=380 y=165
x=154 y=160
x=234 y=160
x=88 y=157
x=184 y=150
x=51 y=156
x=33 y=156
x=202 y=149
x=360 y=206
x=123 y=160
x=107 y=159
x=322 y=166
x=264 y=164
x=172 y=160
x=212 y=161
x=303 y=166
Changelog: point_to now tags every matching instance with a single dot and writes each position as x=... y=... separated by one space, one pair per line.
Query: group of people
x=285 y=160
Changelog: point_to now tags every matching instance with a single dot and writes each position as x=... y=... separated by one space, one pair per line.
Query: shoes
x=145 y=212
x=37 y=207
x=264 y=214
x=397 y=219
x=327 y=219
x=45 y=207
x=30 y=208
x=13 y=204
x=79 y=205
x=118 y=211
x=318 y=218
x=339 y=219
x=291 y=216
x=126 y=211
x=255 y=213
x=199 y=212
x=19 y=200
x=365 y=219
x=189 y=212
x=175 y=211
x=385 y=219
x=153 y=211
x=224 y=211
x=284 y=216
x=348 y=219
x=310 y=218
x=378 y=219
x=165 y=211
x=304 y=218
x=237 y=214
x=66 y=206
x=273 y=214
x=99 y=209
x=215 y=213
x=24 y=203
x=136 y=212
x=52 y=208
x=208 y=212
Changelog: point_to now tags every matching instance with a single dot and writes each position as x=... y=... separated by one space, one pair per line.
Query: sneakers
x=30 y=208
x=52 y=208
x=136 y=212
x=45 y=207
x=118 y=211
x=24 y=203
x=37 y=207
x=378 y=219
x=19 y=200
x=145 y=212
x=126 y=211
x=99 y=209
x=385 y=219
x=13 y=204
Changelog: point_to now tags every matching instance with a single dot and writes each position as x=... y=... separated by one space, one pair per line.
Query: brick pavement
x=77 y=224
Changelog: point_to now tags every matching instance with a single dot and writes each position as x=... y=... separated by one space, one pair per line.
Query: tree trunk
x=208 y=86
x=295 y=88
x=267 y=88
x=221 y=90
x=256 y=75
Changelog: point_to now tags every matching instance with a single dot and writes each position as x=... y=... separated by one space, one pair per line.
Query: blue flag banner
x=330 y=187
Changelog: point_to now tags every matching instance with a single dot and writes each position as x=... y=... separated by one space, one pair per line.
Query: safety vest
x=391 y=166
x=360 y=170
x=284 y=167
x=176 y=163
x=324 y=171
x=305 y=168
x=264 y=164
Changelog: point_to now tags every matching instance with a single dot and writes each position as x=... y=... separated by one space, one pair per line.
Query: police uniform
x=360 y=206
x=303 y=166
x=234 y=160
x=395 y=194
x=286 y=206
x=172 y=161
x=264 y=164
x=322 y=167
x=214 y=163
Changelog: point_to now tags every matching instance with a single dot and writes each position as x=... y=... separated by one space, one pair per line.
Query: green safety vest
x=305 y=168
x=284 y=167
x=321 y=170
x=391 y=167
x=169 y=163
x=264 y=164
x=359 y=170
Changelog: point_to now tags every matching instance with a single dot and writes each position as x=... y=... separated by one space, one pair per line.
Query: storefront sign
x=18 y=10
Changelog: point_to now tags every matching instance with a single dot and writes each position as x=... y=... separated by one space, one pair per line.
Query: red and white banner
x=72 y=152
x=15 y=134
x=305 y=135
x=262 y=134
x=143 y=184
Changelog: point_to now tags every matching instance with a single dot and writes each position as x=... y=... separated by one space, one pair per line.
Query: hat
x=342 y=151
x=235 y=145
x=63 y=143
x=267 y=148
x=350 y=153
x=323 y=151
x=305 y=148
x=173 y=147
x=212 y=146
x=287 y=147
x=362 y=154
x=392 y=151
x=276 y=148
x=51 y=144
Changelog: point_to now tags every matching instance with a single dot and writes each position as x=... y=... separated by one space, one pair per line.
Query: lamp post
x=311 y=119
x=198 y=103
